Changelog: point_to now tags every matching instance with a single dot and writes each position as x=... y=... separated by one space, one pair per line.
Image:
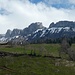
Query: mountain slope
x=57 y=30
x=26 y=31
x=32 y=28
x=36 y=31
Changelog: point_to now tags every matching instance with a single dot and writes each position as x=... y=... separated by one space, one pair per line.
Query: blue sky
x=56 y=3
x=21 y=13
x=36 y=1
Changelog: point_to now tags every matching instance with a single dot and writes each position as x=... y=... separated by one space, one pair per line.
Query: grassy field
x=51 y=49
x=29 y=65
x=26 y=65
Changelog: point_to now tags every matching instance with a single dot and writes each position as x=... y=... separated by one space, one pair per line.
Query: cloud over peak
x=23 y=12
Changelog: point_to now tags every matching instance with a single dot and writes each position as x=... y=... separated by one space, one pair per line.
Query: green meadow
x=35 y=65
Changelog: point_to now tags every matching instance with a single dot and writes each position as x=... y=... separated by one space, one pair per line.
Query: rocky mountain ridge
x=36 y=31
x=26 y=31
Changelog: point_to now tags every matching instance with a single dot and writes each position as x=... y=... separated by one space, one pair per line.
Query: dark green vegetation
x=34 y=65
x=39 y=49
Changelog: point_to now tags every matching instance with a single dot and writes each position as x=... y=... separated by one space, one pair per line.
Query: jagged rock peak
x=51 y=25
x=16 y=32
x=8 y=33
x=36 y=25
x=32 y=28
x=63 y=24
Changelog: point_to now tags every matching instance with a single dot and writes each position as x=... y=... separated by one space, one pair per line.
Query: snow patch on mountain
x=73 y=29
x=38 y=30
x=55 y=29
x=43 y=32
x=34 y=36
x=3 y=39
x=58 y=29
x=66 y=29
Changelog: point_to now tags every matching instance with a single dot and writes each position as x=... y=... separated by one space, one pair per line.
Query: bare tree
x=64 y=47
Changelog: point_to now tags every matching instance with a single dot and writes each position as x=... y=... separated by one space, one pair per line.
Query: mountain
x=55 y=31
x=15 y=32
x=32 y=28
x=63 y=24
x=36 y=31
x=18 y=33
x=26 y=31
x=8 y=33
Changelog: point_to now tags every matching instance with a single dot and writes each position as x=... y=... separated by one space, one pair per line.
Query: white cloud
x=72 y=1
x=24 y=12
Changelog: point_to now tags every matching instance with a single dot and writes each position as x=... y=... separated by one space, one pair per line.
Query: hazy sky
x=21 y=13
